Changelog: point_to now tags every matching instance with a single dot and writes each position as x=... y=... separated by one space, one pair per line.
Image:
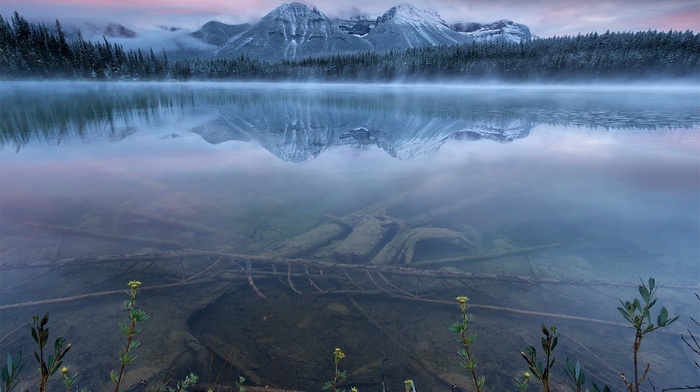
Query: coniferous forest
x=31 y=51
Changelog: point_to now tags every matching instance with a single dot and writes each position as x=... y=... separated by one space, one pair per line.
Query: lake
x=271 y=223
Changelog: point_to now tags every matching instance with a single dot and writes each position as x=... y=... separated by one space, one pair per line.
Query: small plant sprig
x=575 y=374
x=135 y=316
x=48 y=366
x=338 y=354
x=578 y=377
x=239 y=384
x=543 y=372
x=182 y=386
x=69 y=381
x=467 y=339
x=409 y=386
x=639 y=316
x=522 y=385
x=10 y=371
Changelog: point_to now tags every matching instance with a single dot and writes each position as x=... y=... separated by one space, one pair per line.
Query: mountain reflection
x=296 y=122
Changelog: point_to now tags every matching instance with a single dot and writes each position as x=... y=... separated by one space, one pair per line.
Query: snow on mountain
x=219 y=34
x=500 y=31
x=293 y=31
x=405 y=26
x=357 y=25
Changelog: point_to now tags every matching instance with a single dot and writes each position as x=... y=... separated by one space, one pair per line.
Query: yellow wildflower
x=64 y=369
x=462 y=299
x=134 y=284
x=527 y=375
x=338 y=355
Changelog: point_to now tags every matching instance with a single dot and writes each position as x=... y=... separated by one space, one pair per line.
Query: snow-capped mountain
x=294 y=31
x=500 y=31
x=358 y=25
x=219 y=34
x=405 y=26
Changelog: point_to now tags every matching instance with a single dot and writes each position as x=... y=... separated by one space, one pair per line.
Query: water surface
x=602 y=183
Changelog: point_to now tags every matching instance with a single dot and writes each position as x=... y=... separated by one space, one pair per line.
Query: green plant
x=409 y=386
x=522 y=385
x=239 y=384
x=639 y=316
x=135 y=316
x=10 y=371
x=338 y=354
x=182 y=386
x=578 y=377
x=69 y=381
x=575 y=374
x=48 y=366
x=543 y=372
x=467 y=339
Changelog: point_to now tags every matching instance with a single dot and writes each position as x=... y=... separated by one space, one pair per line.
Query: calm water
x=605 y=181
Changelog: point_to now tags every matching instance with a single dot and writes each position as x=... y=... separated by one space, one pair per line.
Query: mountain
x=357 y=25
x=292 y=31
x=115 y=30
x=501 y=31
x=219 y=34
x=295 y=31
x=405 y=26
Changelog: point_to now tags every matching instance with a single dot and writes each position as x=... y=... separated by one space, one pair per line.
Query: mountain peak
x=406 y=13
x=296 y=9
x=116 y=30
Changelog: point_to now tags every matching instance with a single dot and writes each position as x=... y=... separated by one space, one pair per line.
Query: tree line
x=34 y=51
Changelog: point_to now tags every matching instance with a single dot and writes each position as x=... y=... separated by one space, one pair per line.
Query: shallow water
x=606 y=179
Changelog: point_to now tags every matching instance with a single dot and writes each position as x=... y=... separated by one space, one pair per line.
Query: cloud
x=156 y=39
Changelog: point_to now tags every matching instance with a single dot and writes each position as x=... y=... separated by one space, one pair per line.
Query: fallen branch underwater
x=329 y=266
x=247 y=275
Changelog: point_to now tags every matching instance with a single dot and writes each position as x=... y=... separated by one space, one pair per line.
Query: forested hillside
x=29 y=51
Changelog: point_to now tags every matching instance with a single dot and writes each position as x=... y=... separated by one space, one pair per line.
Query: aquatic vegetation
x=48 y=365
x=467 y=339
x=182 y=386
x=338 y=354
x=69 y=381
x=543 y=372
x=522 y=385
x=10 y=370
x=239 y=384
x=637 y=312
x=639 y=316
x=135 y=316
x=409 y=385
x=578 y=377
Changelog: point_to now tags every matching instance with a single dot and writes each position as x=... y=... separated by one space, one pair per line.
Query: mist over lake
x=271 y=223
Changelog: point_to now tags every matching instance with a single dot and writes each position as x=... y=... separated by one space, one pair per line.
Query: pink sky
x=544 y=17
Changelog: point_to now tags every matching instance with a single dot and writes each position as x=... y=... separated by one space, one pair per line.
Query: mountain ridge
x=296 y=31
